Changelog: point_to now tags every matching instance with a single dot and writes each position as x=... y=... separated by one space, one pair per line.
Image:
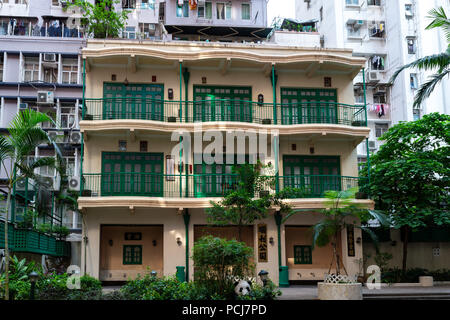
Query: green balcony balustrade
x=308 y=112
x=208 y=185
x=32 y=241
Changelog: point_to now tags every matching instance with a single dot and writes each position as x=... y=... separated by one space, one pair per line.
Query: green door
x=133 y=101
x=315 y=174
x=132 y=174
x=218 y=103
x=308 y=105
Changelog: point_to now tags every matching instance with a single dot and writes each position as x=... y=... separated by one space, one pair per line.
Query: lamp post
x=263 y=275
x=33 y=276
x=153 y=273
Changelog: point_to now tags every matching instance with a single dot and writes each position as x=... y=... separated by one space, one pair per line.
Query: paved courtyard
x=309 y=292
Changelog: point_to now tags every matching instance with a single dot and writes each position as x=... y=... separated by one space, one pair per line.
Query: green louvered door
x=132 y=174
x=315 y=174
x=218 y=103
x=308 y=105
x=133 y=101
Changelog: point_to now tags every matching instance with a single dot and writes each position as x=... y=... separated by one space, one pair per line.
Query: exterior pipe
x=187 y=218
x=365 y=109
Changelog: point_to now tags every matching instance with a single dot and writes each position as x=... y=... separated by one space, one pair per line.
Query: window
x=67 y=117
x=132 y=254
x=148 y=4
x=361 y=162
x=246 y=11
x=129 y=4
x=146 y=29
x=411 y=46
x=223 y=11
x=302 y=255
x=377 y=62
x=183 y=10
x=1 y=69
x=409 y=11
x=129 y=33
x=380 y=129
x=379 y=98
x=374 y=2
x=321 y=13
x=70 y=71
x=413 y=81
x=352 y=2
x=377 y=29
x=416 y=114
x=31 y=69
x=205 y=10
x=353 y=31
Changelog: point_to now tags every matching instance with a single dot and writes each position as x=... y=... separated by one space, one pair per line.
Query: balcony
x=207 y=185
x=316 y=112
x=32 y=241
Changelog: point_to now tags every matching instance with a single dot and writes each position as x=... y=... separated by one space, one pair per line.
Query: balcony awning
x=247 y=32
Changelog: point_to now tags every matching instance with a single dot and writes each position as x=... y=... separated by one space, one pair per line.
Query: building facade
x=144 y=207
x=389 y=34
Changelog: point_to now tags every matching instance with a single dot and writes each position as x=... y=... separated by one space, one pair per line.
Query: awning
x=247 y=32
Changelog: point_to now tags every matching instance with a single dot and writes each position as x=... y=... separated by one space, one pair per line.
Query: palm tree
x=439 y=62
x=340 y=213
x=25 y=135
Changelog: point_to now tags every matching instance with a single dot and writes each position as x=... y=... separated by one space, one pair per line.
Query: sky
x=283 y=8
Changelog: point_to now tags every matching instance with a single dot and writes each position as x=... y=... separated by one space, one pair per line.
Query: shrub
x=61 y=231
x=219 y=263
x=259 y=292
x=44 y=228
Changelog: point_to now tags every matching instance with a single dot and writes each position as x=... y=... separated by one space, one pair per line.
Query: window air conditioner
x=75 y=137
x=49 y=57
x=45 y=97
x=74 y=183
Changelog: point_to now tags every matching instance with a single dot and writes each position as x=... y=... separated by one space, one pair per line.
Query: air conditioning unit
x=358 y=24
x=49 y=57
x=23 y=106
x=74 y=183
x=373 y=76
x=57 y=136
x=52 y=183
x=372 y=145
x=45 y=97
x=75 y=137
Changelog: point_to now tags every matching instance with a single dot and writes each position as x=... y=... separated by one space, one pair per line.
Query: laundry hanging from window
x=377 y=63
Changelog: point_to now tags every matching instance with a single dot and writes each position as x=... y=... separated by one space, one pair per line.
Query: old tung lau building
x=143 y=208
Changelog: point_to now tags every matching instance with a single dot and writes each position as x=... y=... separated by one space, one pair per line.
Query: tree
x=239 y=206
x=25 y=135
x=441 y=61
x=340 y=212
x=101 y=18
x=409 y=175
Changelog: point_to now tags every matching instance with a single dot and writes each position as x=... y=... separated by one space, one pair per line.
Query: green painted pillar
x=186 y=76
x=274 y=87
x=181 y=91
x=283 y=272
x=187 y=218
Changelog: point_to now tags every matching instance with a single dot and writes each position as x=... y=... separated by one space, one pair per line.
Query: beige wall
x=420 y=254
x=111 y=256
x=173 y=255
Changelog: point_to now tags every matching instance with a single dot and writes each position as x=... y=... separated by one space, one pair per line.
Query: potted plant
x=61 y=232
x=341 y=212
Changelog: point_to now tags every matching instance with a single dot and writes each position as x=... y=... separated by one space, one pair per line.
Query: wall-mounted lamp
x=271 y=241
x=110 y=242
x=179 y=241
x=358 y=240
x=154 y=243
x=260 y=99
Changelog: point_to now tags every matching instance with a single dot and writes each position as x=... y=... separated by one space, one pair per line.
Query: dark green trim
x=135 y=249
x=308 y=105
x=207 y=109
x=187 y=218
x=302 y=254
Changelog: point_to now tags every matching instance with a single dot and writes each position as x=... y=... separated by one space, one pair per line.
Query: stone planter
x=339 y=291
x=426 y=281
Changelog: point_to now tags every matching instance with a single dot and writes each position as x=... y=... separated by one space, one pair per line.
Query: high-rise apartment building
x=389 y=34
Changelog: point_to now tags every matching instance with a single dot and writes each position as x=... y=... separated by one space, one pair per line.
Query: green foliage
x=61 y=231
x=218 y=263
x=101 y=19
x=27 y=220
x=441 y=61
x=19 y=285
x=396 y=275
x=259 y=292
x=382 y=260
x=341 y=212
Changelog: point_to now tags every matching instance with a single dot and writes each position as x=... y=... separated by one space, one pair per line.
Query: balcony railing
x=316 y=112
x=29 y=29
x=207 y=185
x=32 y=241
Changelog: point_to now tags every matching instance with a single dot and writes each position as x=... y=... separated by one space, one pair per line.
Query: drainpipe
x=187 y=218
x=274 y=86
x=365 y=110
x=83 y=111
x=186 y=76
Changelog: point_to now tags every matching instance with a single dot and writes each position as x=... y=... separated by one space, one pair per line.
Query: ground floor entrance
x=129 y=250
